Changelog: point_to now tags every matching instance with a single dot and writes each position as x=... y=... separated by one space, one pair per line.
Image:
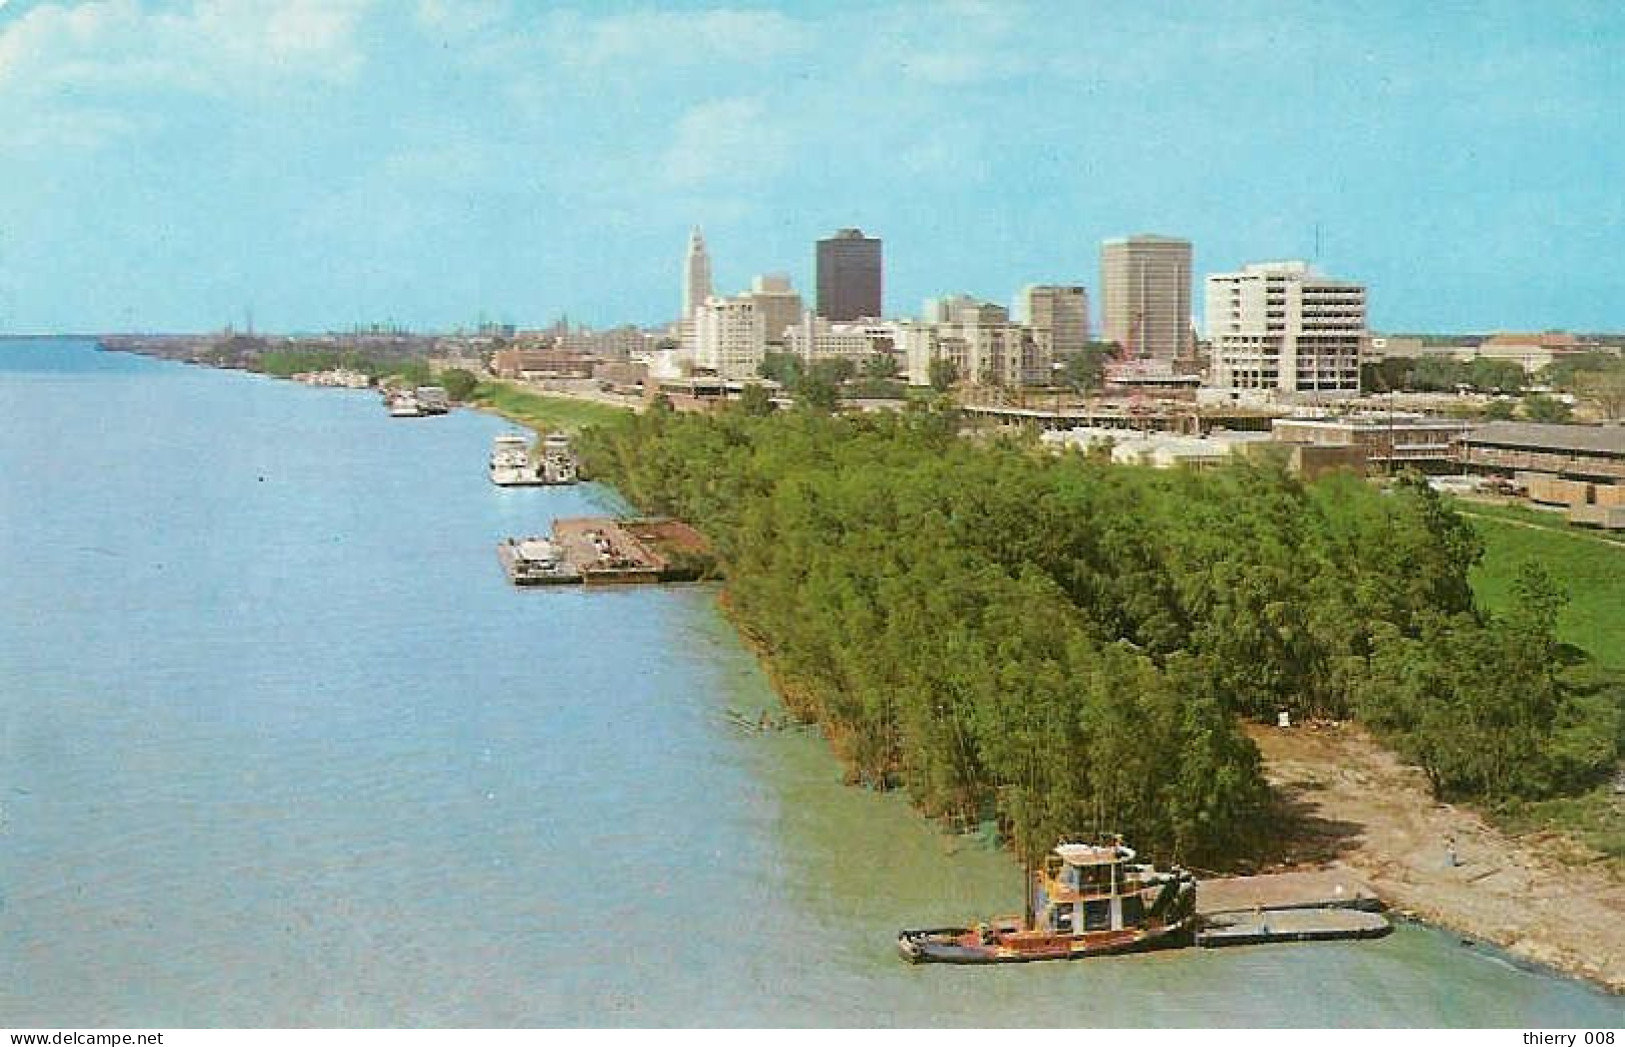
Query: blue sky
x=323 y=162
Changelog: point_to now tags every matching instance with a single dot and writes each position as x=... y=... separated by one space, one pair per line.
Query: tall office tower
x=779 y=304
x=1145 y=284
x=849 y=276
x=696 y=275
x=1280 y=327
x=1063 y=311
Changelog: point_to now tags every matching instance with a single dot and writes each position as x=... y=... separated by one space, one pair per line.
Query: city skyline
x=320 y=164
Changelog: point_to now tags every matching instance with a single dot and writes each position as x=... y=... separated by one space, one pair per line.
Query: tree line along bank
x=1067 y=646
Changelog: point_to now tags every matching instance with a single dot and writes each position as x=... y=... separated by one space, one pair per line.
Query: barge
x=1290 y=925
x=601 y=550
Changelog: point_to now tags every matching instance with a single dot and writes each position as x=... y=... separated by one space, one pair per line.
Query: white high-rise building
x=696 y=274
x=730 y=336
x=1063 y=311
x=1145 y=282
x=1280 y=328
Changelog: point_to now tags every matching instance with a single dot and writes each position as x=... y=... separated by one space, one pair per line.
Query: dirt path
x=1571 y=532
x=1350 y=802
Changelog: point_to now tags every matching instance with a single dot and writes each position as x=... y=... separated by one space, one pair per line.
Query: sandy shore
x=1352 y=803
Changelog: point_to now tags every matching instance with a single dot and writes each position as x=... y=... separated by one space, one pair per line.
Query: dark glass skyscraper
x=849 y=284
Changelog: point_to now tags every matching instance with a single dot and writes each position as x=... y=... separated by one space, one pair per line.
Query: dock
x=1274 y=892
x=1316 y=905
x=1261 y=927
x=602 y=550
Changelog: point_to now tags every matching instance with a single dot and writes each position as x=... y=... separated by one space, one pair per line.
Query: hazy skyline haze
x=328 y=162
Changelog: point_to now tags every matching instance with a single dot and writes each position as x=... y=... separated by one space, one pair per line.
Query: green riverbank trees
x=1066 y=645
x=292 y=360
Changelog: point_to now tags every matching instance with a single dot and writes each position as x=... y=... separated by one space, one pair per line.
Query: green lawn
x=1591 y=570
x=542 y=412
x=1549 y=519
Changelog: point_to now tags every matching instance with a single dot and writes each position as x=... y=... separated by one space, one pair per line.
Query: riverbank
x=539 y=411
x=1349 y=802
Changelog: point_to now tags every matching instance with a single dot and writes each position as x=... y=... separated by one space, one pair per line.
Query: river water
x=279 y=745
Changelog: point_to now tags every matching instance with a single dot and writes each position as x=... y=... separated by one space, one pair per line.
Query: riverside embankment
x=282 y=747
x=878 y=560
x=543 y=411
x=1355 y=804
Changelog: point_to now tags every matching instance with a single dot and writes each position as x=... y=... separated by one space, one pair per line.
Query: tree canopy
x=1065 y=645
x=459 y=383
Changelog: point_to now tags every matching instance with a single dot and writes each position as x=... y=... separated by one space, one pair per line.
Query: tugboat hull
x=965 y=945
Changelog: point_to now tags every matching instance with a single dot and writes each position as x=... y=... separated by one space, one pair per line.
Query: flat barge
x=1309 y=889
x=601 y=550
x=1290 y=925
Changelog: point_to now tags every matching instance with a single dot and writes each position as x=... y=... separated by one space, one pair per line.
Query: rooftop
x=1146 y=238
x=1378 y=420
x=1089 y=854
x=1549 y=339
x=1598 y=439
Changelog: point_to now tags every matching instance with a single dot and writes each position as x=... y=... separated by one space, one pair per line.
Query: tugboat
x=1088 y=899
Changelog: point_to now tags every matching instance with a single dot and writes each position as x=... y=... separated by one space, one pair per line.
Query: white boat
x=432 y=399
x=536 y=561
x=510 y=462
x=403 y=405
x=558 y=460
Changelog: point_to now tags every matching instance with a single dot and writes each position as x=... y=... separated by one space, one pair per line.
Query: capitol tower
x=696 y=275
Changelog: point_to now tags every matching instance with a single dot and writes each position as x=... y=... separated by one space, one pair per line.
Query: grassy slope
x=540 y=411
x=1593 y=572
x=1549 y=519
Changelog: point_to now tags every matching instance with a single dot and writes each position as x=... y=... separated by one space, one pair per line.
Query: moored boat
x=1088 y=900
x=558 y=460
x=432 y=399
x=402 y=404
x=510 y=462
x=536 y=561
